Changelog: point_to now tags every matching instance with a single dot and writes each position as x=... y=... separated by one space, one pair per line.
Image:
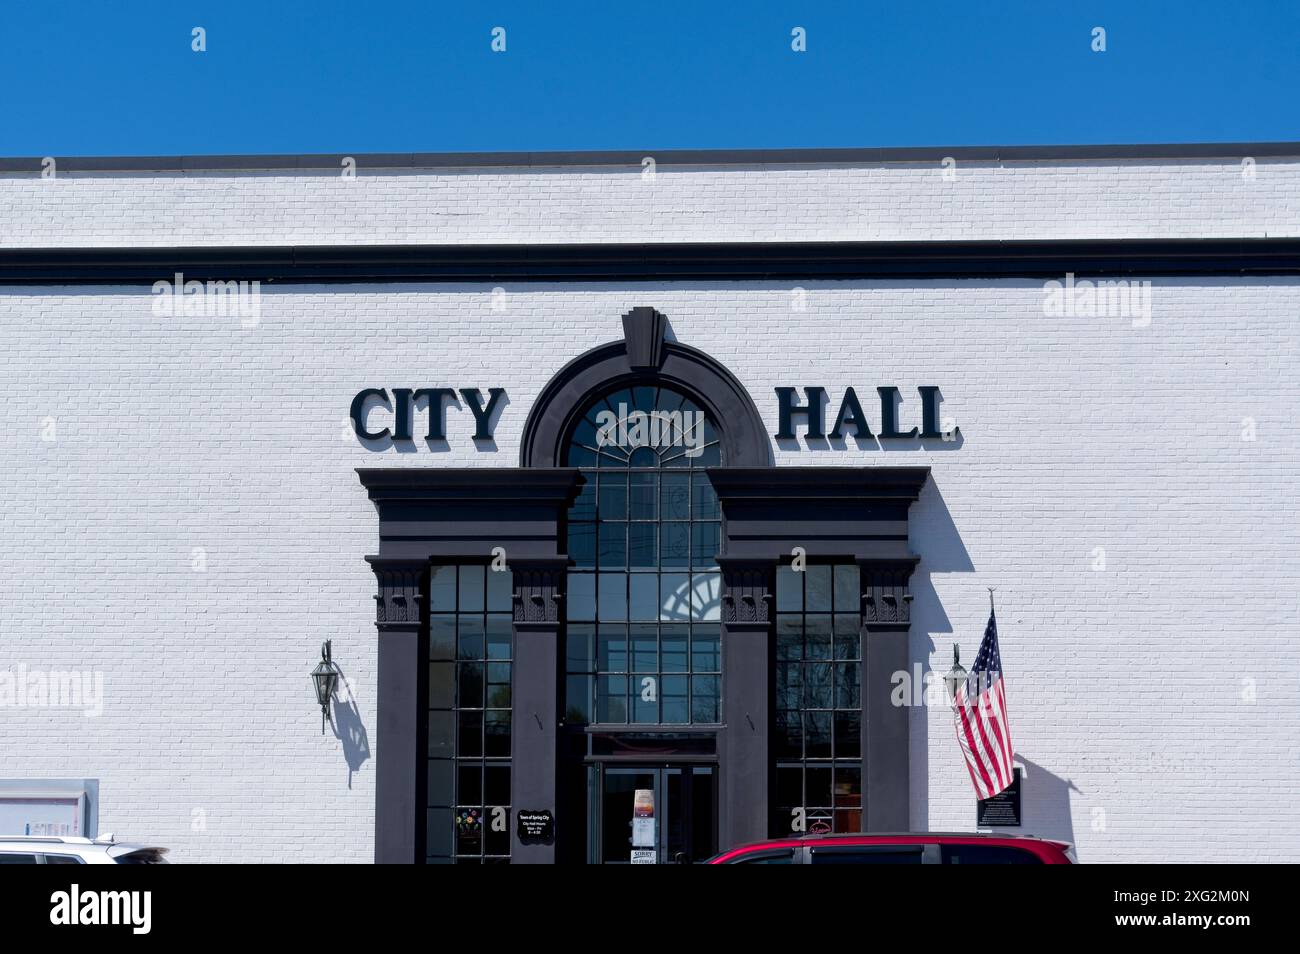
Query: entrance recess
x=685 y=802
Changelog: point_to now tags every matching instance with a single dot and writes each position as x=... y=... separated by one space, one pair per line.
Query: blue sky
x=120 y=78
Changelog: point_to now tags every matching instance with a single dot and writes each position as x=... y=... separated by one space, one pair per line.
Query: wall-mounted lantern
x=956 y=675
x=326 y=678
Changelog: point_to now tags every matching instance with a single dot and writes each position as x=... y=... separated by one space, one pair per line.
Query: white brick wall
x=1126 y=684
x=902 y=201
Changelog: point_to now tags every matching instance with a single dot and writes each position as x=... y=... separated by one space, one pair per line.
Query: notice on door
x=643 y=827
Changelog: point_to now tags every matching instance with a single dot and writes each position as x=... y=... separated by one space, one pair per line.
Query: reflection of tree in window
x=470 y=660
x=817 y=715
x=642 y=643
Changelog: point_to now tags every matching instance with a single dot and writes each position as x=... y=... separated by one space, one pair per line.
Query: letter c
x=359 y=413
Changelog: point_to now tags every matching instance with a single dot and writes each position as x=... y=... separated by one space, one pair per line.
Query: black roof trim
x=662 y=157
x=726 y=261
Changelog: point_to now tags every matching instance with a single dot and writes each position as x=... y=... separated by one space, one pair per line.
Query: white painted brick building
x=183 y=513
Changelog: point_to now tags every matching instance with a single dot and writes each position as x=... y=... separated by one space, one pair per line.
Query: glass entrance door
x=685 y=812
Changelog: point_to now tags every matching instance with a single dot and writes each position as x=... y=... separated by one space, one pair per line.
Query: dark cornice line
x=633 y=158
x=724 y=261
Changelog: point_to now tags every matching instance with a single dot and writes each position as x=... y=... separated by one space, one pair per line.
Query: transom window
x=643 y=643
x=817 y=720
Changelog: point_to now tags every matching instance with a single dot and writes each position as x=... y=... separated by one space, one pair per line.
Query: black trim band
x=725 y=261
x=662 y=157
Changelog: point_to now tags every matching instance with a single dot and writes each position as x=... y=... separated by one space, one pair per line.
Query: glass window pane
x=581 y=597
x=673 y=642
x=442 y=782
x=817 y=688
x=789 y=785
x=469 y=637
x=789 y=636
x=818 y=790
x=442 y=637
x=580 y=651
x=675 y=544
x=469 y=734
x=817 y=739
x=577 y=699
x=471 y=589
x=496 y=727
x=675 y=497
x=438 y=837
x=611 y=699
x=611 y=649
x=787 y=737
x=442 y=589
x=645 y=698
x=582 y=544
x=817 y=592
x=469 y=783
x=612 y=602
x=499 y=630
x=847 y=588
x=442 y=735
x=469 y=691
x=706 y=655
x=704 y=544
x=789 y=687
x=584 y=508
x=469 y=831
x=706 y=596
x=704 y=502
x=498 y=686
x=817 y=637
x=496 y=785
x=613 y=545
x=848 y=641
x=789 y=590
x=500 y=590
x=643 y=545
x=705 y=698
x=674 y=597
x=847 y=686
x=672 y=695
x=613 y=496
x=643 y=496
x=645 y=648
x=848 y=735
x=644 y=597
x=442 y=685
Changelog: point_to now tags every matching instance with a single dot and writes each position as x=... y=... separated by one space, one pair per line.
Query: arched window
x=643 y=643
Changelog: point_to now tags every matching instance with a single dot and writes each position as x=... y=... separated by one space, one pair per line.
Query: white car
x=104 y=850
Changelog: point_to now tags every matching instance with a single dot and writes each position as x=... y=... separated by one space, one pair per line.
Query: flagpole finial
x=991 y=589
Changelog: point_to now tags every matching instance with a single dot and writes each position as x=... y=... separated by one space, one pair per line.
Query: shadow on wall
x=1045 y=802
x=934 y=536
x=348 y=727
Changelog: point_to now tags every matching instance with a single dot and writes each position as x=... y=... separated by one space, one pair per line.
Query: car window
x=13 y=858
x=868 y=855
x=988 y=855
x=63 y=860
x=784 y=856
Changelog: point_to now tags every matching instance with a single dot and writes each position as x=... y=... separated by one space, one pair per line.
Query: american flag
x=979 y=713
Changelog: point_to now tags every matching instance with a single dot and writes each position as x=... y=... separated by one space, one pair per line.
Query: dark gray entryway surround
x=429 y=515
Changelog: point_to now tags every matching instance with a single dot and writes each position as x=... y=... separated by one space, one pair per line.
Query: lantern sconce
x=325 y=677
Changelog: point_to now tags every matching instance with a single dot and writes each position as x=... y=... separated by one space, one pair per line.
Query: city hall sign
x=380 y=414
